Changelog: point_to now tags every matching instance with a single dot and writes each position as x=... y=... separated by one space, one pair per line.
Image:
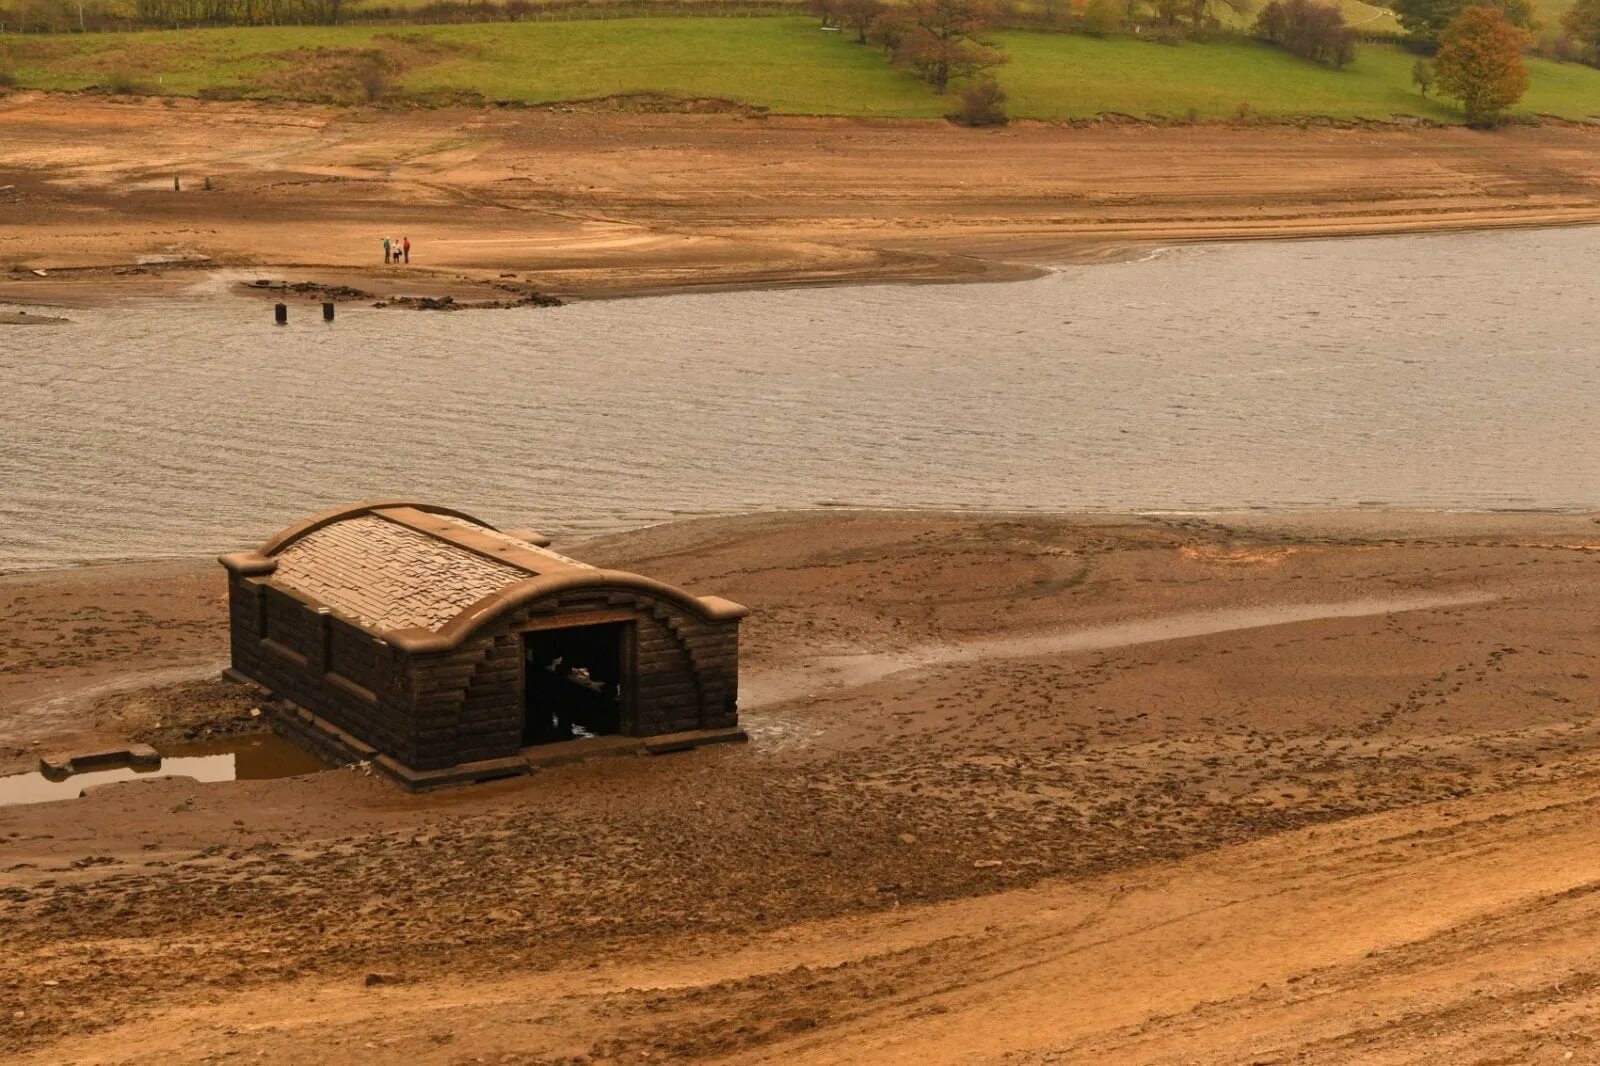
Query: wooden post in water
x=281 y=314
x=327 y=310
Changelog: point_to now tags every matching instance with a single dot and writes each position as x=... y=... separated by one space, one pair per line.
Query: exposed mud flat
x=1339 y=808
x=23 y=318
x=597 y=204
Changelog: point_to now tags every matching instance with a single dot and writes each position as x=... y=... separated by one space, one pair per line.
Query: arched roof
x=425 y=578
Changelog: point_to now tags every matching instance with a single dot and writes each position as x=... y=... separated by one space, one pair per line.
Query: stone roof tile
x=388 y=576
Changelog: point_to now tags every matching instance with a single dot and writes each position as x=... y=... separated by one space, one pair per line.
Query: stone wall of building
x=320 y=662
x=435 y=711
x=469 y=701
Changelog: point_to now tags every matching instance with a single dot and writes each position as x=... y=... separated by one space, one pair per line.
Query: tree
x=1309 y=29
x=889 y=29
x=983 y=103
x=859 y=16
x=1480 y=63
x=1582 y=23
x=1425 y=20
x=944 y=41
x=827 y=11
x=1422 y=77
x=1102 y=17
x=1203 y=16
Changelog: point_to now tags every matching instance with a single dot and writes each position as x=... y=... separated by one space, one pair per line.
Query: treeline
x=1310 y=28
x=1574 y=36
x=946 y=43
x=71 y=16
x=57 y=16
x=1169 y=21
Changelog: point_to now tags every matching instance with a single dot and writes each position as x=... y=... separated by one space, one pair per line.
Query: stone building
x=445 y=650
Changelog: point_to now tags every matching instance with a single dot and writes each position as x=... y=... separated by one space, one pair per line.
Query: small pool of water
x=252 y=758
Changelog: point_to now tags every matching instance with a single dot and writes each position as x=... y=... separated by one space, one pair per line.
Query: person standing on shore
x=386 y=253
x=405 y=247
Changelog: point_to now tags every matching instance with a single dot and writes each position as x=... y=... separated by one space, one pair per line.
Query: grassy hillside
x=784 y=64
x=1065 y=76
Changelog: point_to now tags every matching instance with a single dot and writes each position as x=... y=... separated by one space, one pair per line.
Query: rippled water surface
x=1439 y=372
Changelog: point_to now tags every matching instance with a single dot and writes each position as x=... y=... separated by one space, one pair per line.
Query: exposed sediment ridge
x=611 y=205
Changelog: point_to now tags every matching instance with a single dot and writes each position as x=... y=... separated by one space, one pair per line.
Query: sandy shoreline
x=1046 y=774
x=605 y=205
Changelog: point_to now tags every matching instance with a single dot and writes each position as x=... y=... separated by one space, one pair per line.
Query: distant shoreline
x=104 y=285
x=1288 y=523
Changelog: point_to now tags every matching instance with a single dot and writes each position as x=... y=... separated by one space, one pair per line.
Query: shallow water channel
x=1450 y=371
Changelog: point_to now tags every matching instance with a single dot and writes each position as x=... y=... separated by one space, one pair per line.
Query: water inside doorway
x=574 y=682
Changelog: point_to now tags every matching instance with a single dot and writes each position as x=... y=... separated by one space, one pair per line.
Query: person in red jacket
x=405 y=247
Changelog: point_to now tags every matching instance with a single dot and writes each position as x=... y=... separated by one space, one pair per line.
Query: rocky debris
x=93 y=860
x=333 y=292
x=313 y=288
x=422 y=303
x=189 y=710
x=524 y=298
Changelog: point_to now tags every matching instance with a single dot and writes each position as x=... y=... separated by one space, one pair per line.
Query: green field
x=785 y=64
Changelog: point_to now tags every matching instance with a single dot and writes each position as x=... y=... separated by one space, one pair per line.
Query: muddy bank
x=602 y=204
x=843 y=878
x=23 y=318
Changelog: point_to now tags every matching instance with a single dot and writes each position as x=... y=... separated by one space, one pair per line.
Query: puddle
x=252 y=758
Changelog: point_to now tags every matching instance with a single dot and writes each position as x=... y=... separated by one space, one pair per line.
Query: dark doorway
x=573 y=682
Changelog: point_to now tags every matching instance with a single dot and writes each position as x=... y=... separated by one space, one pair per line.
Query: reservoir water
x=1454 y=371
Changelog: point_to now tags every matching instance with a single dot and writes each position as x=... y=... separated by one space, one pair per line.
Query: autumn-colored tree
x=1582 y=23
x=1307 y=28
x=859 y=15
x=1102 y=17
x=945 y=41
x=1480 y=63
